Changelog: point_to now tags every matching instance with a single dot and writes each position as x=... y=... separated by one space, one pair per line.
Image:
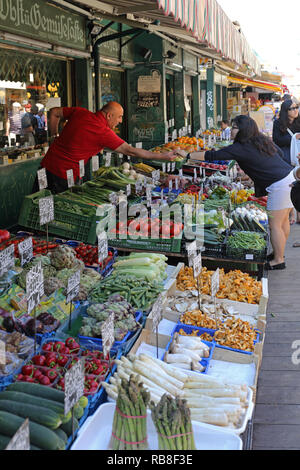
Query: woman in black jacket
x=289 y=119
x=262 y=161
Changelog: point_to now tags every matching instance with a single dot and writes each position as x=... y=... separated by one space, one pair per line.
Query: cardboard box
x=150 y=338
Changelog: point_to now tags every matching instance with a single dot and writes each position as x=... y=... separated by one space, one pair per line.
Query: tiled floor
x=276 y=421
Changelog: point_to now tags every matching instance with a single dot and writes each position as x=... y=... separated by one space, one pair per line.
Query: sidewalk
x=276 y=420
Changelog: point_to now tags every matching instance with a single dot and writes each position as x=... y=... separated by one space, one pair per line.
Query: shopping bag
x=294 y=148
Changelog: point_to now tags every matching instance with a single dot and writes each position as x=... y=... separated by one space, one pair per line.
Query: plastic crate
x=247 y=254
x=159 y=164
x=66 y=224
x=189 y=329
x=172 y=245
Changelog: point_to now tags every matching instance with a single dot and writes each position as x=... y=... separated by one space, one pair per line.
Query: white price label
x=170 y=185
x=21 y=439
x=81 y=169
x=249 y=257
x=161 y=196
x=174 y=134
x=108 y=334
x=107 y=158
x=7 y=259
x=173 y=166
x=191 y=249
x=74 y=385
x=46 y=210
x=95 y=163
x=156 y=311
x=155 y=175
x=42 y=179
x=70 y=178
x=197 y=265
x=139 y=145
x=181 y=173
x=176 y=184
x=34 y=286
x=128 y=190
x=102 y=247
x=168 y=167
x=138 y=187
x=73 y=286
x=215 y=283
x=25 y=249
x=195 y=174
x=114 y=199
x=149 y=195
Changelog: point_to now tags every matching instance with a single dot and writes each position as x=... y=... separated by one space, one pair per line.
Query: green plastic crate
x=172 y=245
x=66 y=224
x=159 y=164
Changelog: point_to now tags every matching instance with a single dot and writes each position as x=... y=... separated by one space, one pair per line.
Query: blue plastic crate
x=189 y=329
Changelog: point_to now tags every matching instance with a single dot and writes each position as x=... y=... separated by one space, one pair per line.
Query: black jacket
x=283 y=139
x=263 y=169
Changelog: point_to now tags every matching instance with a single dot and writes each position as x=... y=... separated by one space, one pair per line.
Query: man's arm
x=127 y=149
x=55 y=115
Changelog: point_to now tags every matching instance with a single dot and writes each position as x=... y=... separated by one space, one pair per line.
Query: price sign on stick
x=128 y=190
x=102 y=247
x=74 y=388
x=2 y=353
x=95 y=163
x=7 y=259
x=70 y=178
x=46 y=210
x=108 y=334
x=107 y=159
x=149 y=195
x=73 y=286
x=42 y=179
x=156 y=314
x=164 y=167
x=197 y=268
x=25 y=250
x=81 y=169
x=191 y=249
x=34 y=287
x=215 y=285
x=21 y=439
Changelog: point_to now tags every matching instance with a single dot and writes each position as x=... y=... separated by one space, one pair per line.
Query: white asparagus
x=168 y=368
x=173 y=358
x=173 y=380
x=203 y=385
x=126 y=362
x=197 y=366
x=193 y=354
x=219 y=392
x=123 y=374
x=150 y=383
x=110 y=392
x=189 y=340
x=219 y=419
x=183 y=365
x=192 y=403
x=115 y=379
x=156 y=378
x=205 y=379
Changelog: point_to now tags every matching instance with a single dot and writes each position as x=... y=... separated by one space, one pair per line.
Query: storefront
x=43 y=63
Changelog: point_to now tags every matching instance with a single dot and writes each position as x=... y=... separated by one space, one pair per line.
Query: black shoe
x=270 y=257
x=269 y=267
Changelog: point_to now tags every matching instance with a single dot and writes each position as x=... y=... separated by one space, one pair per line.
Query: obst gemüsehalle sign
x=39 y=20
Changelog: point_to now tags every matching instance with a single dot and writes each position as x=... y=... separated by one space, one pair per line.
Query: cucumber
x=38 y=414
x=38 y=390
x=37 y=401
x=78 y=411
x=67 y=427
x=62 y=435
x=4 y=440
x=40 y=436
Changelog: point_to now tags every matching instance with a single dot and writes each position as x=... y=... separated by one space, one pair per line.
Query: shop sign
x=40 y=20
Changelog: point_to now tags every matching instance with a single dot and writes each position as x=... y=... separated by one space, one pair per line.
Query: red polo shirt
x=84 y=135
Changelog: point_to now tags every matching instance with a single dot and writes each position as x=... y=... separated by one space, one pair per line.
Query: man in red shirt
x=84 y=135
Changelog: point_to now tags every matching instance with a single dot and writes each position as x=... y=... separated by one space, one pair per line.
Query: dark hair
x=225 y=121
x=295 y=195
x=283 y=117
x=249 y=133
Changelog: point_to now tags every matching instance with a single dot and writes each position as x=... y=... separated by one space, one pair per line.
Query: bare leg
x=286 y=227
x=278 y=233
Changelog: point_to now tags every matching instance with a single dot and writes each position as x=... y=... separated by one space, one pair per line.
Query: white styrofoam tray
x=96 y=432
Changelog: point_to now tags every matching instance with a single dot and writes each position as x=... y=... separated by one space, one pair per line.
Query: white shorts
x=279 y=194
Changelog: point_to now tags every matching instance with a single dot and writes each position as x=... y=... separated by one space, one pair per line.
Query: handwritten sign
x=108 y=334
x=114 y=199
x=70 y=178
x=215 y=283
x=107 y=159
x=102 y=247
x=46 y=210
x=21 y=439
x=73 y=286
x=25 y=249
x=74 y=385
x=2 y=353
x=128 y=190
x=42 y=179
x=95 y=163
x=34 y=286
x=191 y=249
x=149 y=195
x=7 y=259
x=197 y=265
x=156 y=311
x=81 y=169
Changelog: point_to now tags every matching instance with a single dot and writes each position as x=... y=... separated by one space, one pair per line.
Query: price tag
x=70 y=178
x=73 y=286
x=25 y=251
x=42 y=179
x=46 y=210
x=102 y=247
x=174 y=134
x=34 y=286
x=95 y=163
x=249 y=257
x=138 y=186
x=197 y=265
x=215 y=283
x=176 y=184
x=149 y=195
x=157 y=311
x=7 y=259
x=162 y=196
x=170 y=185
x=139 y=145
x=114 y=198
x=2 y=353
x=173 y=166
x=166 y=137
x=164 y=167
x=21 y=439
x=155 y=175
x=181 y=173
x=81 y=169
x=191 y=249
x=195 y=174
x=128 y=190
x=74 y=385
x=108 y=334
x=107 y=158
x=120 y=157
x=189 y=129
x=168 y=167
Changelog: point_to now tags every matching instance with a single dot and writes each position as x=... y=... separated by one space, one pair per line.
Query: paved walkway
x=276 y=420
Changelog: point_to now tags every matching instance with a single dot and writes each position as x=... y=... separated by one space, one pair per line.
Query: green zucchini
x=4 y=440
x=38 y=414
x=67 y=427
x=40 y=436
x=38 y=390
x=37 y=401
x=62 y=435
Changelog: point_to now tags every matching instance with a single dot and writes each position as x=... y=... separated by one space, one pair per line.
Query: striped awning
x=209 y=24
x=256 y=83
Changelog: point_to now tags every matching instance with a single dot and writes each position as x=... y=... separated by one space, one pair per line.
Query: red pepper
x=62 y=360
x=58 y=346
x=50 y=361
x=51 y=374
x=27 y=369
x=44 y=380
x=39 y=360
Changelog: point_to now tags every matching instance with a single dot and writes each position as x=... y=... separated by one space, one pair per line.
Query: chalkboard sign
x=74 y=385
